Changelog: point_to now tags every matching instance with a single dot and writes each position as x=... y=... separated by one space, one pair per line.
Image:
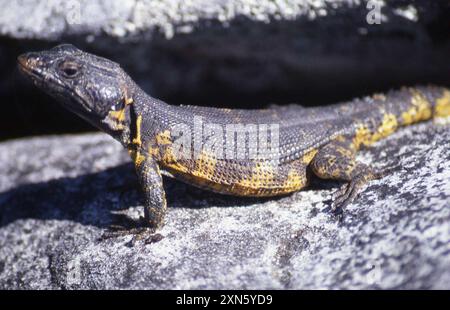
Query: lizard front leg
x=336 y=160
x=151 y=183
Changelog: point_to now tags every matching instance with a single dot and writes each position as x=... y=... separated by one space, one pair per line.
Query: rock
x=240 y=53
x=58 y=195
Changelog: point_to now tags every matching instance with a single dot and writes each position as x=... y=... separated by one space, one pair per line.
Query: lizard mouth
x=29 y=65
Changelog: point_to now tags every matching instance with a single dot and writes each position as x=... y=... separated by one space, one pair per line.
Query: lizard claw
x=379 y=174
x=347 y=194
x=139 y=231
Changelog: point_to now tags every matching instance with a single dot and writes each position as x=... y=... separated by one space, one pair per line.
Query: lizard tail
x=426 y=102
x=442 y=104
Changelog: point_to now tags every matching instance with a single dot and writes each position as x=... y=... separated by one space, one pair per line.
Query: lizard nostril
x=29 y=60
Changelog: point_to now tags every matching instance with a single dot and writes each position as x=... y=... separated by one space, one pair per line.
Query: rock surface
x=33 y=19
x=59 y=194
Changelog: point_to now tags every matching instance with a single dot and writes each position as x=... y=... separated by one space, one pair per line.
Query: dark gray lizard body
x=298 y=142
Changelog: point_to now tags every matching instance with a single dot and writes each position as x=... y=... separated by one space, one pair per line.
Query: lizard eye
x=69 y=69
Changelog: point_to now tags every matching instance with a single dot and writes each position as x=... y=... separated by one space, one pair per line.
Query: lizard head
x=95 y=88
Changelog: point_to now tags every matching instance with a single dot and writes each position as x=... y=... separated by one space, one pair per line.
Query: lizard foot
x=139 y=231
x=347 y=194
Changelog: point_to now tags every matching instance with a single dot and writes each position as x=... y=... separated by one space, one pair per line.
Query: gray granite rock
x=58 y=194
x=55 y=18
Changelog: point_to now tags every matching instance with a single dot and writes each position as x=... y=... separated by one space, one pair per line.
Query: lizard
x=308 y=142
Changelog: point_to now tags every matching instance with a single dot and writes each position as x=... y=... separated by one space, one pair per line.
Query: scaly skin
x=321 y=140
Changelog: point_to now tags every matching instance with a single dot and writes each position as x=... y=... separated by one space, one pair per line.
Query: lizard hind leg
x=336 y=161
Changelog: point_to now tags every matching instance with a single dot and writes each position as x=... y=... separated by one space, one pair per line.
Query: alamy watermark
x=225 y=141
x=74 y=272
x=73 y=15
x=374 y=17
x=70 y=9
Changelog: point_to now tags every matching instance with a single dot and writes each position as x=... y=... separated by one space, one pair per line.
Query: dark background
x=247 y=64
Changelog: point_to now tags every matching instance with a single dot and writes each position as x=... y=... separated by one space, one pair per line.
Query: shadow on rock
x=101 y=199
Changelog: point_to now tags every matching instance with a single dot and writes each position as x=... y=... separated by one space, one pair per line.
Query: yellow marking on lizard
x=137 y=140
x=387 y=127
x=163 y=138
x=136 y=156
x=361 y=136
x=205 y=166
x=128 y=101
x=118 y=115
x=344 y=151
x=153 y=151
x=442 y=108
x=204 y=174
x=295 y=181
x=262 y=177
x=364 y=136
x=169 y=158
x=340 y=138
x=419 y=111
x=171 y=162
x=308 y=157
